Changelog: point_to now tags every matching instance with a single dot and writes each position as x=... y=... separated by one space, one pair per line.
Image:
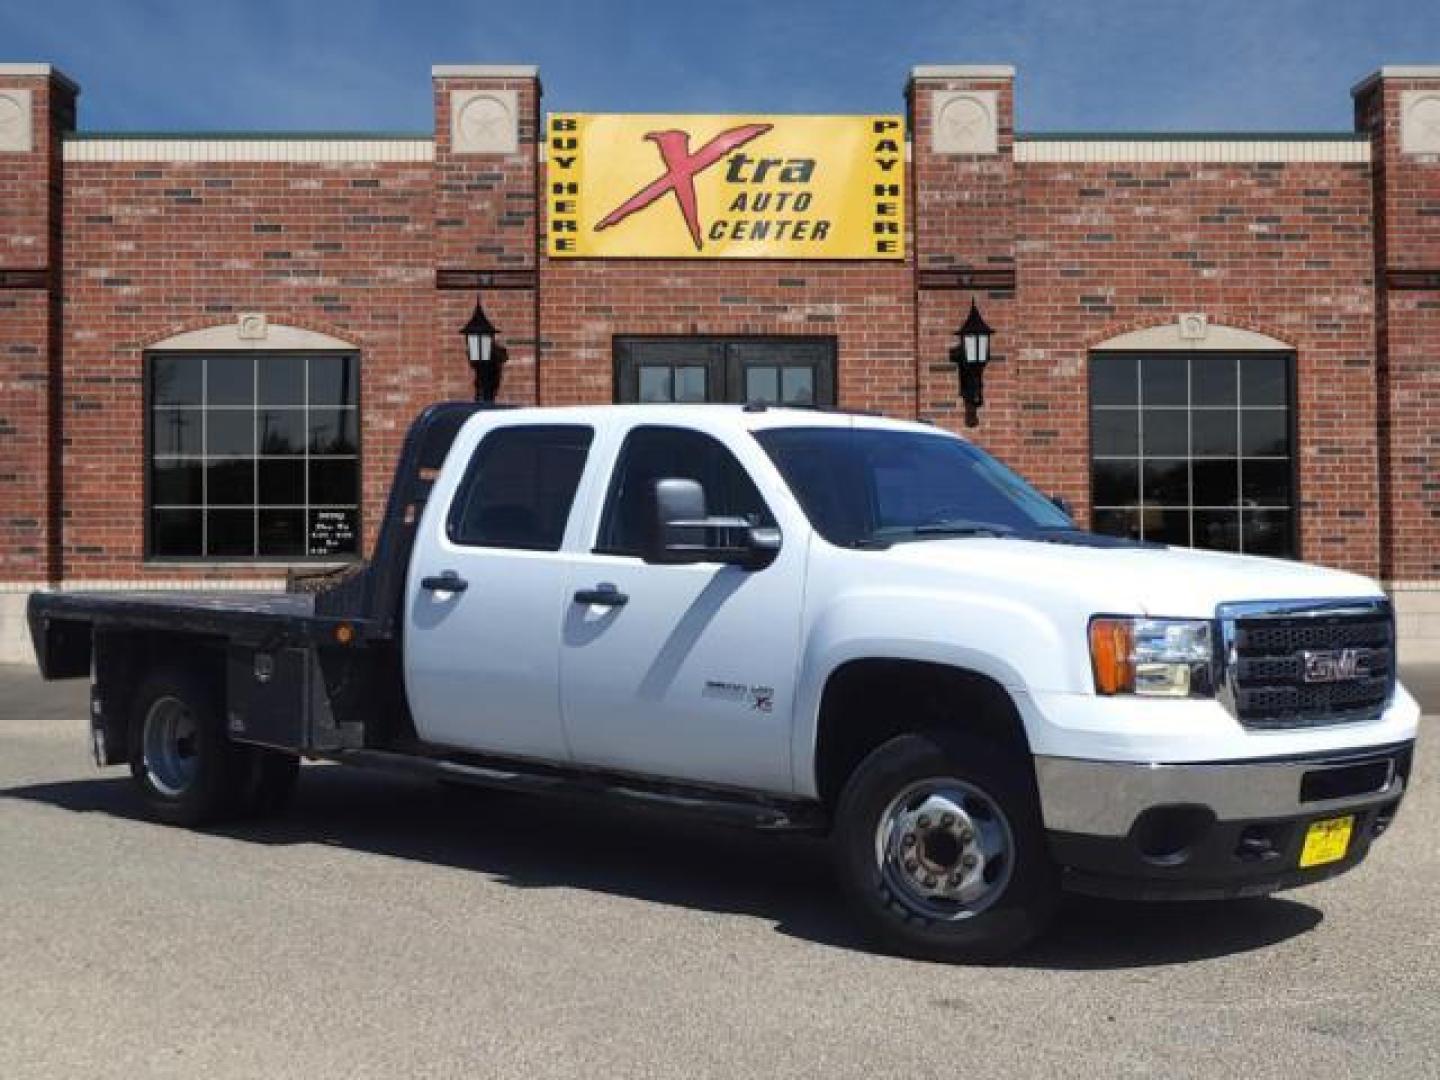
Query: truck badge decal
x=1335 y=665
x=759 y=698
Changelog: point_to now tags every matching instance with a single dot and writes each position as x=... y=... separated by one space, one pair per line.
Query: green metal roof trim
x=251 y=136
x=1191 y=136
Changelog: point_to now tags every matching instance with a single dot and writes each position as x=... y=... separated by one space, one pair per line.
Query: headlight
x=1152 y=657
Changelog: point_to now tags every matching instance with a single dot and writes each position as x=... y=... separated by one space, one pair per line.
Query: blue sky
x=364 y=64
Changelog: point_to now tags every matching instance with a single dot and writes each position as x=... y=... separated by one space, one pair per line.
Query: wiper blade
x=957 y=528
x=1087 y=538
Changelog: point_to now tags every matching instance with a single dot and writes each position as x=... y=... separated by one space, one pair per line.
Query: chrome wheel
x=171 y=746
x=945 y=849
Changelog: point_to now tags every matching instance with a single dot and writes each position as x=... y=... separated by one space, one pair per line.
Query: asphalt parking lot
x=390 y=928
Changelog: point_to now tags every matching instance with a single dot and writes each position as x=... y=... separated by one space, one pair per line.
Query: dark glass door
x=775 y=371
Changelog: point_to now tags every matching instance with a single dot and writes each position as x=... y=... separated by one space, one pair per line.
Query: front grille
x=1350 y=649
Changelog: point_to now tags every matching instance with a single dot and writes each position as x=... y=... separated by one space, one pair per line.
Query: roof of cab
x=745 y=417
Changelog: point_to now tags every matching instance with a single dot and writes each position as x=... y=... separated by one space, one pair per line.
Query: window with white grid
x=1194 y=449
x=253 y=456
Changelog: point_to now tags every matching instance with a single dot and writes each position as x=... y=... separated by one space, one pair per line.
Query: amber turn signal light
x=1112 y=655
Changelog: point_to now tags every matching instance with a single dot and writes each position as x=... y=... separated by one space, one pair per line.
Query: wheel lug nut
x=924 y=821
x=947 y=820
x=966 y=835
x=969 y=862
x=929 y=882
x=911 y=865
x=909 y=840
x=955 y=879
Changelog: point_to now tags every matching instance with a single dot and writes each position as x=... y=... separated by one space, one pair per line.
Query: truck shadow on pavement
x=533 y=843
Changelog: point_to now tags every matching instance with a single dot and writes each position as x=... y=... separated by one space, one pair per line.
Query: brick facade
x=107 y=249
x=1285 y=250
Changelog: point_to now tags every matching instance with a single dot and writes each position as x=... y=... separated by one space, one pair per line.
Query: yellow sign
x=726 y=187
x=1326 y=841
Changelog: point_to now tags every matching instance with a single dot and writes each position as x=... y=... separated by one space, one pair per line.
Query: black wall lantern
x=970 y=356
x=486 y=355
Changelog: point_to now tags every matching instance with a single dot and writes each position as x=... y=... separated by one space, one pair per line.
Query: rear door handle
x=448 y=581
x=604 y=595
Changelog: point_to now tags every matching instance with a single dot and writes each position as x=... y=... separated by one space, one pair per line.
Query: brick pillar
x=964 y=199
x=487 y=124
x=37 y=105
x=1400 y=108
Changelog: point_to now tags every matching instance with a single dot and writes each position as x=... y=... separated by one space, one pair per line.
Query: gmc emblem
x=1335 y=665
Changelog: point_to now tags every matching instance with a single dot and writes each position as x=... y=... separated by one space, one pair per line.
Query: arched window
x=1193 y=443
x=252 y=453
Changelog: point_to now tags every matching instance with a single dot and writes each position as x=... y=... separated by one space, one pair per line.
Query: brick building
x=211 y=344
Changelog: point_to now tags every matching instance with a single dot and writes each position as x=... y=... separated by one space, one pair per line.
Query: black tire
x=1016 y=907
x=267 y=781
x=202 y=785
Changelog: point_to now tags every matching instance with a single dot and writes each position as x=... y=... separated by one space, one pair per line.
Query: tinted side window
x=520 y=486
x=657 y=453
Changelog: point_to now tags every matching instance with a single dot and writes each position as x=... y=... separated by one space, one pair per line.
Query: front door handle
x=604 y=595
x=448 y=581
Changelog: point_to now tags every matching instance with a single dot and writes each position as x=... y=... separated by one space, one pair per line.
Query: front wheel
x=941 y=851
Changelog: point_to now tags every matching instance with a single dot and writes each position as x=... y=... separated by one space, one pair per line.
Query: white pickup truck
x=788 y=619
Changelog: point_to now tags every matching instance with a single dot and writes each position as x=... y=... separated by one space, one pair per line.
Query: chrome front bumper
x=1105 y=798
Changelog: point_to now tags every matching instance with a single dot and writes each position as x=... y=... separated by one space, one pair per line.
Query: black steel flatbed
x=269 y=619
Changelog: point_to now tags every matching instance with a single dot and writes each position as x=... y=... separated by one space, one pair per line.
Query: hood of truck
x=1160 y=581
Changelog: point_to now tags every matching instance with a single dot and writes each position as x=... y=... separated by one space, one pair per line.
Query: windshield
x=866 y=487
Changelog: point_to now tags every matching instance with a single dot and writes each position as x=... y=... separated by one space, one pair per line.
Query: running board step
x=726 y=807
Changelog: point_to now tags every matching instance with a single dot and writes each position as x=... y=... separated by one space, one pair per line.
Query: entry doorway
x=775 y=370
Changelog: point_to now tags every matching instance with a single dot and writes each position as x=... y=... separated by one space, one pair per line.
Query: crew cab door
x=486 y=594
x=681 y=671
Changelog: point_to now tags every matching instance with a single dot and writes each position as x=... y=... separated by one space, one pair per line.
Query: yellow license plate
x=1327 y=841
